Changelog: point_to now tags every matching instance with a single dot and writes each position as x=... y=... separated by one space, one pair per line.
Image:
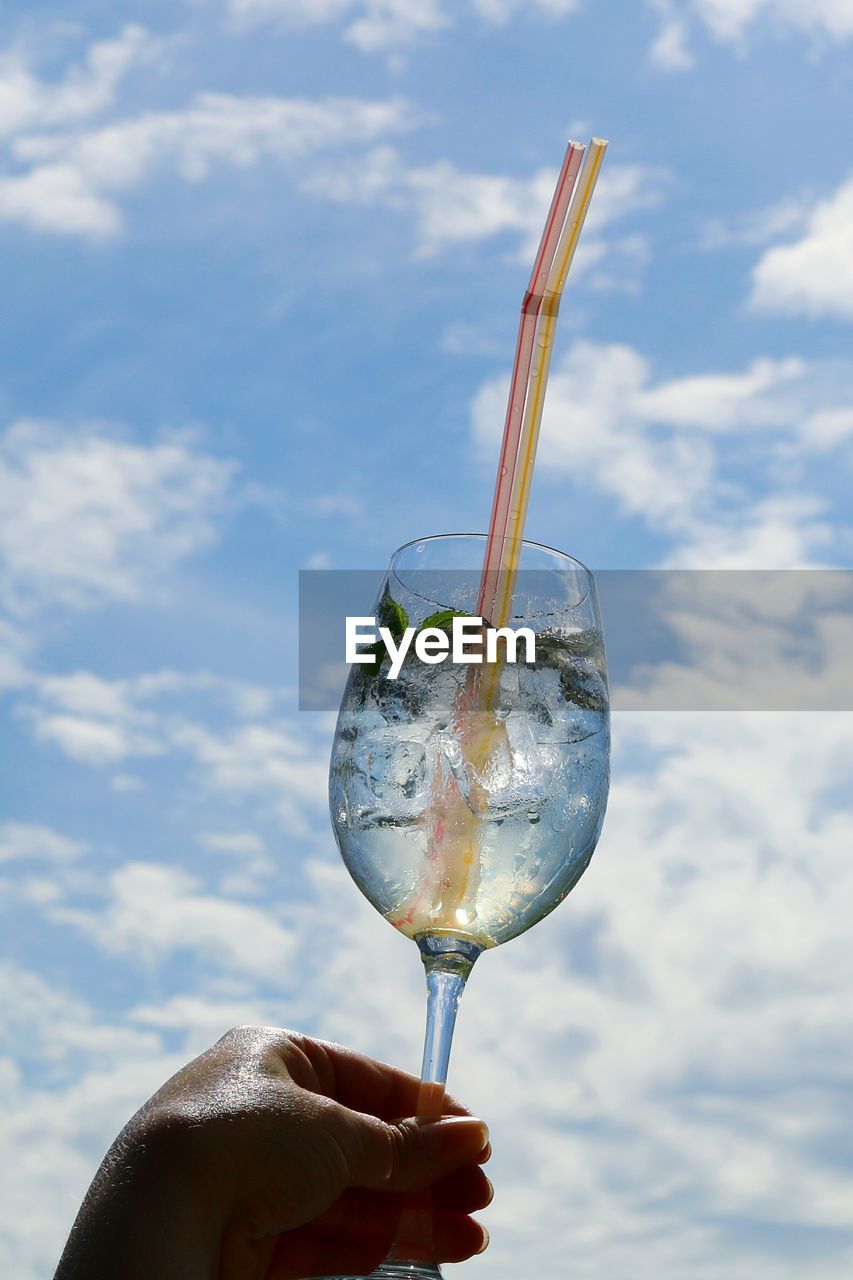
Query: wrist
x=143 y=1217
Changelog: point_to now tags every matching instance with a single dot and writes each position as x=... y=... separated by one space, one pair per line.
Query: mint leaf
x=377 y=649
x=443 y=618
x=392 y=616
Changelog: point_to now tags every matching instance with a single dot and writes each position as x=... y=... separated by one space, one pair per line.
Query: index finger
x=365 y=1084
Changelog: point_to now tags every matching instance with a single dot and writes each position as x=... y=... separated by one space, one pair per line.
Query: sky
x=261 y=268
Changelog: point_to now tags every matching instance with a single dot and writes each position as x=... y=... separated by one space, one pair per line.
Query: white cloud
x=270 y=761
x=680 y=985
x=93 y=741
x=387 y=25
x=93 y=720
x=27 y=102
x=69 y=182
x=49 y=1025
x=215 y=128
x=203 y=1018
x=373 y=25
x=503 y=10
x=669 y=48
x=248 y=866
x=344 y=503
x=454 y=207
x=101 y=722
x=758 y=228
x=73 y=181
x=30 y=842
x=782 y=532
x=83 y=692
x=741 y=640
x=729 y=20
x=125 y=782
x=71 y=1078
x=720 y=402
x=318 y=560
x=155 y=911
x=828 y=428
x=239 y=843
x=668 y=452
x=466 y=339
x=812 y=276
x=676 y=1029
x=88 y=516
x=241 y=698
x=57 y=198
x=451 y=207
x=234 y=737
x=693 y=983
x=15 y=645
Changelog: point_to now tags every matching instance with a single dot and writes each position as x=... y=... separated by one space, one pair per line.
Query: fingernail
x=484 y=1246
x=485 y=1154
x=491 y=1188
x=454 y=1138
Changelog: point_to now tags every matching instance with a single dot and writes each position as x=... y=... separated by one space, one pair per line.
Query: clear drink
x=473 y=823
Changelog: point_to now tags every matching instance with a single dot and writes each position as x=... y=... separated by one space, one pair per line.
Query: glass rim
x=525 y=542
x=589 y=577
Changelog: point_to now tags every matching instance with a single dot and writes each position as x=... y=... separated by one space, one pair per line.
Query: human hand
x=273 y=1156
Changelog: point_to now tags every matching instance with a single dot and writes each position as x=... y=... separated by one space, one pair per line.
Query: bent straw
x=511 y=546
x=523 y=477
x=456 y=828
x=475 y=720
x=521 y=372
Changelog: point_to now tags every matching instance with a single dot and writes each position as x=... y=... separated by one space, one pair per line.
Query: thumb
x=407 y=1155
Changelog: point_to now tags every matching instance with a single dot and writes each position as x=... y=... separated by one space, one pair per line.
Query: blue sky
x=262 y=262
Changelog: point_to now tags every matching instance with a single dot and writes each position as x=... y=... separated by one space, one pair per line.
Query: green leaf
x=392 y=616
x=377 y=649
x=443 y=619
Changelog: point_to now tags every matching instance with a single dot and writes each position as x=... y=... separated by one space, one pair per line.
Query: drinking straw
x=456 y=823
x=521 y=373
x=475 y=721
x=523 y=475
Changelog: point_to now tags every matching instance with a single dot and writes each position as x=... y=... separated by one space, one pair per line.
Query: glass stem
x=447 y=961
x=443 y=992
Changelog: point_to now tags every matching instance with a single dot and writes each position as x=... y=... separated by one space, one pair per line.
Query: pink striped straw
x=520 y=376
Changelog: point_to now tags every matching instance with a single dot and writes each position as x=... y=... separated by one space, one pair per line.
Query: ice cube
x=421 y=695
x=389 y=775
x=405 y=782
x=564 y=702
x=512 y=775
x=358 y=719
x=450 y=761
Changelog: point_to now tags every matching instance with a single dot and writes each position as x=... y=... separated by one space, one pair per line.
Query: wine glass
x=467 y=799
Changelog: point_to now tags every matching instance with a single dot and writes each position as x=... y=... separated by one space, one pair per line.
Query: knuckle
x=399 y=1149
x=236 y=1036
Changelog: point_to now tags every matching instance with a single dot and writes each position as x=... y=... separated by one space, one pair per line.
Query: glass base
x=401 y=1271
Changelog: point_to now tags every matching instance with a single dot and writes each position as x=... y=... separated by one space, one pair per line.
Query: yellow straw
x=523 y=477
x=539 y=376
x=457 y=862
